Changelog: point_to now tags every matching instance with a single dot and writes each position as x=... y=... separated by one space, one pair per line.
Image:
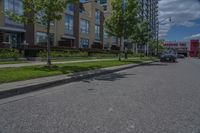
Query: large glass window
x=84 y=26
x=69 y=24
x=69 y=8
x=97 y=32
x=84 y=43
x=41 y=38
x=40 y=16
x=15 y=6
x=97 y=16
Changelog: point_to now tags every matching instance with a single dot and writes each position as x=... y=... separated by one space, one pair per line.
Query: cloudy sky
x=185 y=16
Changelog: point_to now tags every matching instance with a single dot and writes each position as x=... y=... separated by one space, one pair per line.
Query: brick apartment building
x=11 y=33
x=81 y=27
x=108 y=41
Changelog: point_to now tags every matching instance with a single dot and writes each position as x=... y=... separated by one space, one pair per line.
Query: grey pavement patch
x=21 y=87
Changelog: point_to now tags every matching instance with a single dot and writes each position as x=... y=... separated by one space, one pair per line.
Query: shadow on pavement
x=109 y=77
x=156 y=64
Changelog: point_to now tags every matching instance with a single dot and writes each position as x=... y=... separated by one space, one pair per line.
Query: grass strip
x=25 y=73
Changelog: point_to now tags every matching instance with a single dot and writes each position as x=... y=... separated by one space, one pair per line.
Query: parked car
x=181 y=56
x=168 y=57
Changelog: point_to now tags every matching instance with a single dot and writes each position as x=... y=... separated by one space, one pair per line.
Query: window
x=84 y=43
x=114 y=40
x=40 y=16
x=97 y=16
x=69 y=24
x=105 y=34
x=97 y=32
x=69 y=8
x=105 y=7
x=7 y=38
x=102 y=1
x=41 y=38
x=84 y=26
x=15 y=6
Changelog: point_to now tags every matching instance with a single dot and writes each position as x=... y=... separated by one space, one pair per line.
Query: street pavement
x=156 y=98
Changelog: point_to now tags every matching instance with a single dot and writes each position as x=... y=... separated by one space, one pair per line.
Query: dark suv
x=168 y=57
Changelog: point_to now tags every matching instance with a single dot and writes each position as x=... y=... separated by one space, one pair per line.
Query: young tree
x=142 y=33
x=45 y=11
x=122 y=20
x=132 y=19
x=115 y=24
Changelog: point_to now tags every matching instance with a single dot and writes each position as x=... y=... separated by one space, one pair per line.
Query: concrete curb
x=12 y=90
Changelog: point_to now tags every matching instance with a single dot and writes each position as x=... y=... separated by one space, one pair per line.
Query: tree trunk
x=120 y=48
x=48 y=45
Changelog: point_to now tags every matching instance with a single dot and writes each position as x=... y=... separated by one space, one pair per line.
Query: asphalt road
x=159 y=98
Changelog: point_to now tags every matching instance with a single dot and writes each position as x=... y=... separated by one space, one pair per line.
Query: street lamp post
x=160 y=22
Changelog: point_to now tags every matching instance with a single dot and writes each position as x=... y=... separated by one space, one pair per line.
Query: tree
x=141 y=34
x=132 y=19
x=115 y=24
x=153 y=45
x=45 y=11
x=122 y=20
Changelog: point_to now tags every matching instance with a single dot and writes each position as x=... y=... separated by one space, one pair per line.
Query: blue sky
x=185 y=16
x=183 y=32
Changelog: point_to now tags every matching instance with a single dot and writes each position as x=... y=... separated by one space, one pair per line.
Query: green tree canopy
x=123 y=19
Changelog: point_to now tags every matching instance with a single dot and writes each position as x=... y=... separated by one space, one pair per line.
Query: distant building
x=149 y=12
x=179 y=47
x=194 y=48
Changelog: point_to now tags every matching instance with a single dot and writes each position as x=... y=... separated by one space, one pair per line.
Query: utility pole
x=158 y=24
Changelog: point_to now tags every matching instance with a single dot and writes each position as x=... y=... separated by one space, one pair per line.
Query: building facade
x=179 y=47
x=91 y=25
x=149 y=13
x=80 y=27
x=109 y=42
x=12 y=34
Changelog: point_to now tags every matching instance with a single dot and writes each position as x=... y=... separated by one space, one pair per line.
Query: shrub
x=104 y=55
x=137 y=55
x=31 y=52
x=9 y=53
x=56 y=54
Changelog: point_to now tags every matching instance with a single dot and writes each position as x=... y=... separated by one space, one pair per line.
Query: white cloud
x=182 y=12
x=195 y=36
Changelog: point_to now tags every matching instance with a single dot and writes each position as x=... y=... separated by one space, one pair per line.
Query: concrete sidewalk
x=15 y=88
x=44 y=63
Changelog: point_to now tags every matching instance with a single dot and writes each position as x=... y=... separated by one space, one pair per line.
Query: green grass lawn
x=24 y=73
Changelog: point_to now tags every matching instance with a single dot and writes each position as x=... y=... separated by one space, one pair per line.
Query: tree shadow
x=156 y=64
x=108 y=77
x=133 y=61
x=67 y=68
